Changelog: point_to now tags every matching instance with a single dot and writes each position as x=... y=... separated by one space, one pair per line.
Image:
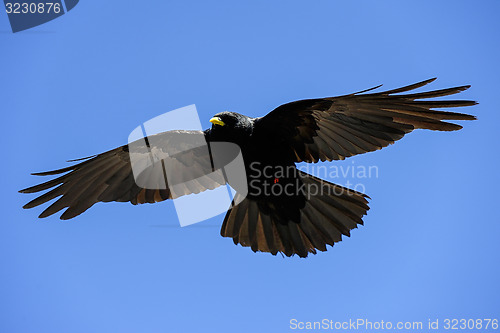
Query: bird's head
x=230 y=126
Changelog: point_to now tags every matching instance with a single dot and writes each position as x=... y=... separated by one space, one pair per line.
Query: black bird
x=312 y=130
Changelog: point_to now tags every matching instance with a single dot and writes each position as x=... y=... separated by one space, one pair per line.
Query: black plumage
x=313 y=130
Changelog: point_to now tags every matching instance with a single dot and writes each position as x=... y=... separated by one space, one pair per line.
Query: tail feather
x=331 y=212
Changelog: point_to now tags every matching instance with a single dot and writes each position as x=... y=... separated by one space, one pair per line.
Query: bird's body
x=285 y=210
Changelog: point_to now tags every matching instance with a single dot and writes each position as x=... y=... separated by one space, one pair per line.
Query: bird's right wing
x=136 y=173
x=334 y=128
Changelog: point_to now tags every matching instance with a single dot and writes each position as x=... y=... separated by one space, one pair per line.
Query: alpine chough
x=291 y=222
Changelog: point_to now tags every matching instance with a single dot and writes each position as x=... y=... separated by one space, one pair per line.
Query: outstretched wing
x=334 y=128
x=136 y=173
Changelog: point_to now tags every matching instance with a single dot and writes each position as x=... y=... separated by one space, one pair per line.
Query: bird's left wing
x=110 y=176
x=334 y=128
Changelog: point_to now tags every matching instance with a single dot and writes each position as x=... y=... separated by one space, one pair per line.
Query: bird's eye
x=217 y=121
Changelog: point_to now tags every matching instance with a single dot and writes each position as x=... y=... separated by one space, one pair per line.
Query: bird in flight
x=312 y=130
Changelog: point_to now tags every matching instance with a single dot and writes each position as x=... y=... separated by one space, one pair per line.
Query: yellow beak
x=217 y=121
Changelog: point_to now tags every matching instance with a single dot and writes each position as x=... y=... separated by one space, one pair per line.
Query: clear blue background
x=78 y=85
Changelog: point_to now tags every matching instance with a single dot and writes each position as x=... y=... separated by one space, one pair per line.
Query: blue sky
x=78 y=85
